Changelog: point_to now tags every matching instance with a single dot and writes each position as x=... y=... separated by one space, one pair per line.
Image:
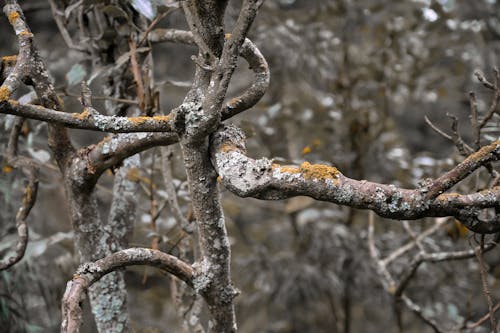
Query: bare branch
x=248 y=51
x=30 y=169
x=263 y=179
x=476 y=130
x=89 y=119
x=166 y=158
x=479 y=251
x=89 y=273
x=30 y=68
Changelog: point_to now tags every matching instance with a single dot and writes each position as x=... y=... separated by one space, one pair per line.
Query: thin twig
x=484 y=280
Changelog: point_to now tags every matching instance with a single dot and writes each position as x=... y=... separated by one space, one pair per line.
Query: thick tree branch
x=214 y=281
x=248 y=51
x=264 y=179
x=30 y=170
x=89 y=119
x=89 y=273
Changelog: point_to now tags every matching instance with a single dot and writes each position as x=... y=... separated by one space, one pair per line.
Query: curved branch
x=30 y=69
x=113 y=150
x=29 y=198
x=248 y=51
x=411 y=269
x=264 y=179
x=30 y=170
x=89 y=273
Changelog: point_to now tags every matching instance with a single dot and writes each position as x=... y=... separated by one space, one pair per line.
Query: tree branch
x=89 y=273
x=264 y=179
x=248 y=51
x=89 y=119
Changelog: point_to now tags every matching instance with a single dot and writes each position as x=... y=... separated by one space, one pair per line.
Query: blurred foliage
x=351 y=83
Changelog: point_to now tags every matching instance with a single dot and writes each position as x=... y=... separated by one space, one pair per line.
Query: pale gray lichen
x=88 y=267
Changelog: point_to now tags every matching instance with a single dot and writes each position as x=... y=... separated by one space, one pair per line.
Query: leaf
x=76 y=74
x=145 y=7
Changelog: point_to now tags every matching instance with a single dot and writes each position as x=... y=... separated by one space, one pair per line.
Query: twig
x=483 y=318
x=486 y=289
x=476 y=129
x=167 y=154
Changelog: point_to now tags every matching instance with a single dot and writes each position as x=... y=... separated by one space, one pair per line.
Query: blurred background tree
x=351 y=84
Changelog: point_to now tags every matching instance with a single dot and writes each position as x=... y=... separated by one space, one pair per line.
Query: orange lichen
x=13 y=17
x=82 y=116
x=25 y=33
x=143 y=119
x=163 y=118
x=4 y=93
x=9 y=60
x=484 y=151
x=286 y=168
x=318 y=171
x=227 y=147
x=310 y=171
x=450 y=195
x=233 y=102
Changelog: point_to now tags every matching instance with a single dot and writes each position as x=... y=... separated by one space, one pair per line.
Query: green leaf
x=76 y=74
x=145 y=7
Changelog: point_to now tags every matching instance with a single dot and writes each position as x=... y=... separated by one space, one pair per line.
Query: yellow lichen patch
x=9 y=60
x=219 y=179
x=163 y=118
x=484 y=151
x=227 y=147
x=7 y=169
x=4 y=93
x=82 y=116
x=306 y=150
x=138 y=120
x=286 y=169
x=25 y=33
x=13 y=17
x=227 y=36
x=450 y=195
x=143 y=119
x=13 y=102
x=233 y=102
x=318 y=171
